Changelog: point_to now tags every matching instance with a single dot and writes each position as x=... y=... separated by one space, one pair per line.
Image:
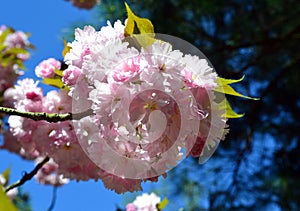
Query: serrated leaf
x=223 y=87
x=163 y=204
x=5 y=203
x=66 y=48
x=229 y=112
x=137 y=25
x=56 y=82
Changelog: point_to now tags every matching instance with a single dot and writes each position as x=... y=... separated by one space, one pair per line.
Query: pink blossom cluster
x=148 y=104
x=12 y=54
x=150 y=108
x=46 y=69
x=36 y=139
x=145 y=202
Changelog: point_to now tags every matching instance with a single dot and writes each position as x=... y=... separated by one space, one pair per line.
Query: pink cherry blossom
x=57 y=102
x=17 y=39
x=25 y=95
x=126 y=70
x=47 y=175
x=130 y=207
x=121 y=185
x=70 y=75
x=46 y=68
x=11 y=70
x=147 y=202
x=2 y=28
x=8 y=76
x=198 y=73
x=148 y=107
x=110 y=32
x=80 y=47
x=134 y=119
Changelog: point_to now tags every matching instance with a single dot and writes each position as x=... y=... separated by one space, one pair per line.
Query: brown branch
x=38 y=116
x=28 y=176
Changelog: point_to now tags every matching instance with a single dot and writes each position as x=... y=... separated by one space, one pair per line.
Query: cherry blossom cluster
x=37 y=139
x=148 y=106
x=13 y=51
x=149 y=102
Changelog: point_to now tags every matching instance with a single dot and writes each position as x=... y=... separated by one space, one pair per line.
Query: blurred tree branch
x=28 y=176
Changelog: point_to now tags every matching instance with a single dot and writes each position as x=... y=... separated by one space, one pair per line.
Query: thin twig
x=38 y=116
x=54 y=196
x=28 y=176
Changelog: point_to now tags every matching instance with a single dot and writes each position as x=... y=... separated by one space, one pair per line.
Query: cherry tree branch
x=37 y=116
x=28 y=176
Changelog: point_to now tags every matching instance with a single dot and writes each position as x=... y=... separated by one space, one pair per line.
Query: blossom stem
x=28 y=176
x=37 y=116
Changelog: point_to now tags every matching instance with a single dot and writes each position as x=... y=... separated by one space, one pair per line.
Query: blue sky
x=45 y=20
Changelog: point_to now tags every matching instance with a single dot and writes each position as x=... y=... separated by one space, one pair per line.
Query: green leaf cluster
x=11 y=56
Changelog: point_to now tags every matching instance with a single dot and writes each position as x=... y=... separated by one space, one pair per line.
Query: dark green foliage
x=258 y=166
x=22 y=201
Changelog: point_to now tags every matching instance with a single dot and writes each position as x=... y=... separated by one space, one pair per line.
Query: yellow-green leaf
x=229 y=113
x=2 y=47
x=16 y=51
x=223 y=87
x=230 y=81
x=137 y=25
x=143 y=40
x=4 y=35
x=66 y=48
x=58 y=72
x=6 y=174
x=5 y=203
x=163 y=204
x=56 y=82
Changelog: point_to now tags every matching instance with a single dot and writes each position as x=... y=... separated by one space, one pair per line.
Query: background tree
x=257 y=167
